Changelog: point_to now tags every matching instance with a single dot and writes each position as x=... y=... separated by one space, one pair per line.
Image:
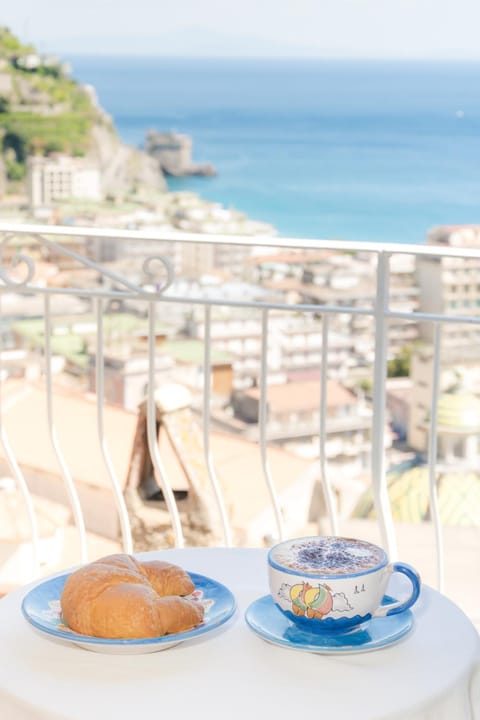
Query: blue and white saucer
x=41 y=607
x=264 y=618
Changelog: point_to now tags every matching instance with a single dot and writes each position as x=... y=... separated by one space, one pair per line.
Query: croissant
x=120 y=597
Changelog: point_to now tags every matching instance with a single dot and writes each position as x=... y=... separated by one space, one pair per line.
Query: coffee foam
x=328 y=555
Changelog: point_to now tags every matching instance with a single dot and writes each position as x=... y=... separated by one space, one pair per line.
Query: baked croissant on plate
x=120 y=597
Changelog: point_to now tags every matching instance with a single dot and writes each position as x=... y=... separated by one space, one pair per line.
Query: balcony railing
x=108 y=270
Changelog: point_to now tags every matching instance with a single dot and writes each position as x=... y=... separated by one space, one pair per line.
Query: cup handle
x=398 y=607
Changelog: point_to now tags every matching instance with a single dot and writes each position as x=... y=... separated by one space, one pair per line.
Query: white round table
x=433 y=673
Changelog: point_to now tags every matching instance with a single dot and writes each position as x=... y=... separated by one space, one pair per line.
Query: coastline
x=361 y=158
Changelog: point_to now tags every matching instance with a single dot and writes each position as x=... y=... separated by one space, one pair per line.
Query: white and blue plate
x=41 y=608
x=266 y=620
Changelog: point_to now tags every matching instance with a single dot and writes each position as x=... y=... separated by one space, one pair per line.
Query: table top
x=231 y=672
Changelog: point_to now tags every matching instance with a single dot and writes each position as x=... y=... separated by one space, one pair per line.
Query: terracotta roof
x=238 y=466
x=24 y=417
x=301 y=396
x=237 y=461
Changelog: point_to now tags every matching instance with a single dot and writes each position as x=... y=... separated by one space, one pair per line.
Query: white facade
x=295 y=346
x=449 y=285
x=421 y=371
x=59 y=178
x=344 y=280
x=201 y=259
x=452 y=285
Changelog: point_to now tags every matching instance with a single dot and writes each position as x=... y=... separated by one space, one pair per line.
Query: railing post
x=432 y=455
x=326 y=485
x=66 y=474
x=262 y=419
x=207 y=368
x=100 y=393
x=152 y=437
x=379 y=479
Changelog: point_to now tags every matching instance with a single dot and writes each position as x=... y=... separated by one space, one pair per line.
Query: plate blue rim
x=266 y=621
x=36 y=610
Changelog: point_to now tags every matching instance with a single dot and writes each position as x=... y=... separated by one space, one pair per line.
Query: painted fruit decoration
x=313 y=602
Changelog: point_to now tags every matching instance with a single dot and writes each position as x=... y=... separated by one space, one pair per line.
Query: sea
x=365 y=151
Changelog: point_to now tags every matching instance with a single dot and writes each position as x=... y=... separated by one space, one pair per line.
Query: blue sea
x=374 y=151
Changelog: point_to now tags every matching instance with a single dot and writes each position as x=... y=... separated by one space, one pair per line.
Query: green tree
x=53 y=146
x=15 y=141
x=15 y=170
x=399 y=366
x=10 y=45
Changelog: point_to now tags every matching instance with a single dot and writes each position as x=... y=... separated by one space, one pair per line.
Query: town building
x=451 y=285
x=201 y=259
x=293 y=413
x=458 y=420
x=345 y=280
x=399 y=394
x=448 y=285
x=60 y=177
x=126 y=370
x=295 y=345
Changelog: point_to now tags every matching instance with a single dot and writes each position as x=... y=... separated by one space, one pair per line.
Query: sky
x=367 y=29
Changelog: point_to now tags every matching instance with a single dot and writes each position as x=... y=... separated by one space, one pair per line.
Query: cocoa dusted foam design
x=328 y=555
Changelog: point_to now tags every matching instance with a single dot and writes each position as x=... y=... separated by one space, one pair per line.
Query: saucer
x=266 y=620
x=41 y=608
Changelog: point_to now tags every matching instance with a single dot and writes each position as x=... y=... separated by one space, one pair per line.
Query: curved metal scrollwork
x=158 y=270
x=15 y=261
x=151 y=272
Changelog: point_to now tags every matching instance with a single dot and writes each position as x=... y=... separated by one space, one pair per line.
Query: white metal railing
x=22 y=245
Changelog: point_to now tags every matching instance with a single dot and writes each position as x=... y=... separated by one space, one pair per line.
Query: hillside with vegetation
x=44 y=111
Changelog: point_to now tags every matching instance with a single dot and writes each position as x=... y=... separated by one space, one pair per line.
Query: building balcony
x=115 y=434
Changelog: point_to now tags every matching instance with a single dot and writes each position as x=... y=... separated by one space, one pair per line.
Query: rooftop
x=301 y=396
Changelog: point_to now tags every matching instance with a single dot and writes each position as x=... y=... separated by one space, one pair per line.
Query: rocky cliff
x=44 y=111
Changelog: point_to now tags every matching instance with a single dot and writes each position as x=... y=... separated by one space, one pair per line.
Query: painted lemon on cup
x=314 y=602
x=319 y=601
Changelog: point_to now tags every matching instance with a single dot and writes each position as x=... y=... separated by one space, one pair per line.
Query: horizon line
x=265 y=58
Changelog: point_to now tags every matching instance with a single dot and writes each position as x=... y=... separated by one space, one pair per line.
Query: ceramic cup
x=327 y=583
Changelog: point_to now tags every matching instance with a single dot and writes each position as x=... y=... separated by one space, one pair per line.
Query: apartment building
x=293 y=422
x=449 y=285
x=61 y=177
x=294 y=344
x=201 y=259
x=452 y=285
x=345 y=280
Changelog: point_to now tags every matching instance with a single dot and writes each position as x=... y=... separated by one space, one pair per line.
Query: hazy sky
x=427 y=29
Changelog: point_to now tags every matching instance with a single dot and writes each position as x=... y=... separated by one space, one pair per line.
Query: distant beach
x=357 y=151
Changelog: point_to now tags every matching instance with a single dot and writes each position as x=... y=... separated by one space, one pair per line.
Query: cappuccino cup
x=331 y=584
